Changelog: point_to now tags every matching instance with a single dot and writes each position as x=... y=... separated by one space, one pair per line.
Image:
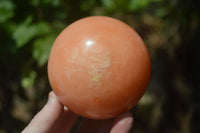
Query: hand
x=55 y=118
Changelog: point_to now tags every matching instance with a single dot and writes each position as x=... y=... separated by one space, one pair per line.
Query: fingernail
x=52 y=97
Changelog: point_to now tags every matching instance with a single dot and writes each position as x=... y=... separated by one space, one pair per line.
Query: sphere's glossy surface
x=99 y=67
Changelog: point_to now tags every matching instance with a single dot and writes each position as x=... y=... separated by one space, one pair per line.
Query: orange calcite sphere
x=99 y=67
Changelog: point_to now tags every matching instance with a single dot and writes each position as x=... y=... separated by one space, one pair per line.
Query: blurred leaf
x=116 y=5
x=35 y=2
x=42 y=28
x=136 y=5
x=6 y=10
x=26 y=32
x=52 y=2
x=41 y=49
x=45 y=2
x=108 y=4
x=29 y=79
x=87 y=4
x=161 y=12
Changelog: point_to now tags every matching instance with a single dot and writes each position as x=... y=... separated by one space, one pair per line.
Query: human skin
x=54 y=118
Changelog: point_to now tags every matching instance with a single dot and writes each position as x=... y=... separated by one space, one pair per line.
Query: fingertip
x=53 y=106
x=127 y=116
x=49 y=114
x=52 y=97
x=123 y=123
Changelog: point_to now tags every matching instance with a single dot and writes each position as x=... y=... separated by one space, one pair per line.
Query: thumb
x=46 y=118
x=123 y=123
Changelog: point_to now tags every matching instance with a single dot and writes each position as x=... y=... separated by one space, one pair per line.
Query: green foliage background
x=170 y=28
